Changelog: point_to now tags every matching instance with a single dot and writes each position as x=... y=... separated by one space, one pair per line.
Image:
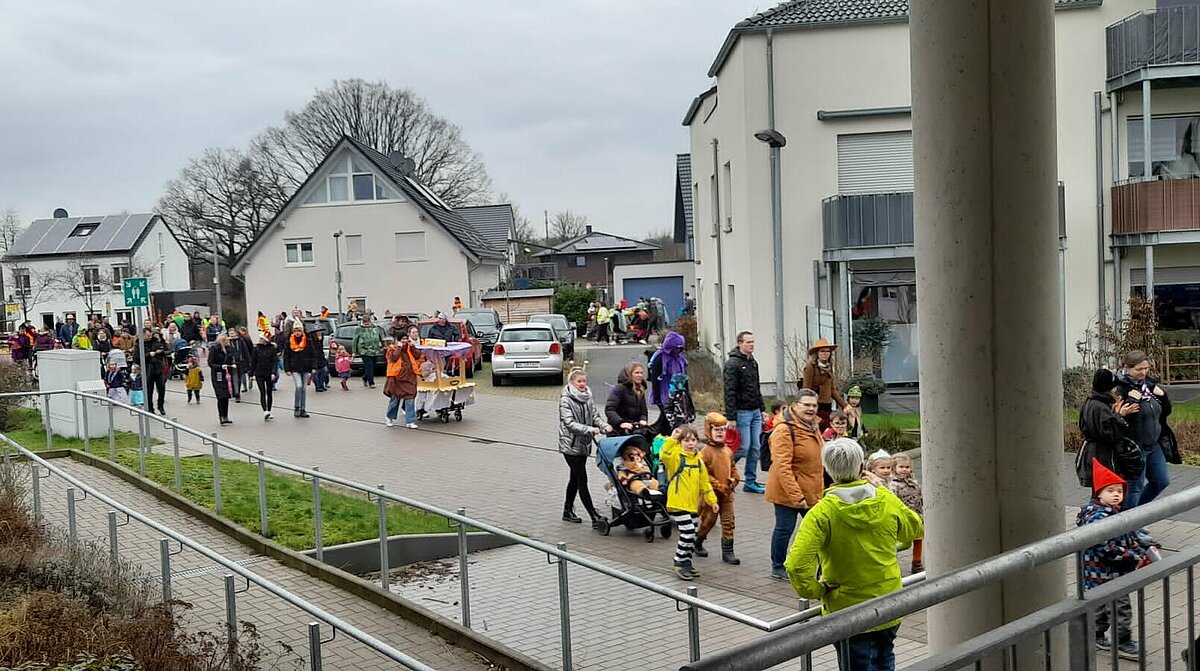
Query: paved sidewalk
x=199 y=582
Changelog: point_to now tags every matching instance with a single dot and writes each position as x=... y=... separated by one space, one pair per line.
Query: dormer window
x=84 y=230
x=350 y=179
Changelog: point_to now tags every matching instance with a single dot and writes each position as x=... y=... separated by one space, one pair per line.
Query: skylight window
x=84 y=230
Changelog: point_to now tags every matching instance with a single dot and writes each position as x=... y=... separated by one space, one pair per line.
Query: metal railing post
x=693 y=628
x=164 y=559
x=564 y=611
x=175 y=453
x=36 y=486
x=384 y=564
x=142 y=446
x=113 y=551
x=87 y=430
x=46 y=421
x=112 y=435
x=314 y=646
x=262 y=497
x=1080 y=645
x=216 y=460
x=72 y=531
x=317 y=518
x=464 y=581
x=231 y=617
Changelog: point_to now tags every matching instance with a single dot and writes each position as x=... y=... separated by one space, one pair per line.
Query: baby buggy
x=179 y=361
x=629 y=511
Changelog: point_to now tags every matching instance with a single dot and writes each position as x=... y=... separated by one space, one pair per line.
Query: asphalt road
x=603 y=363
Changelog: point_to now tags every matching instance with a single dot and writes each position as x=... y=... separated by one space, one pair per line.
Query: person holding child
x=906 y=487
x=688 y=487
x=724 y=477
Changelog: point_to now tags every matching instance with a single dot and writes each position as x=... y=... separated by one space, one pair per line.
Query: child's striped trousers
x=686 y=522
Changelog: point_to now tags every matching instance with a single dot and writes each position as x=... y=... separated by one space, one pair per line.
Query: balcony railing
x=1154 y=37
x=868 y=220
x=536 y=271
x=1155 y=206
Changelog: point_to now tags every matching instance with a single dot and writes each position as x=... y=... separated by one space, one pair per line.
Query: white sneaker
x=410 y=426
x=267 y=417
x=389 y=422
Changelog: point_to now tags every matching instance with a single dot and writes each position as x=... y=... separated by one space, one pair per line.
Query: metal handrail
x=315 y=611
x=550 y=550
x=778 y=647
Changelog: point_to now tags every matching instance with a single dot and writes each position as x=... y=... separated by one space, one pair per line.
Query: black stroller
x=179 y=362
x=633 y=512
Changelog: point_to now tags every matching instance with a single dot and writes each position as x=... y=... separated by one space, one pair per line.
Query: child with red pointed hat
x=1110 y=560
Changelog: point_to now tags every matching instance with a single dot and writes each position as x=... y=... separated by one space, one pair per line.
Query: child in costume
x=116 y=383
x=906 y=488
x=688 y=487
x=341 y=363
x=723 y=476
x=194 y=381
x=1111 y=560
x=632 y=472
x=879 y=464
x=853 y=410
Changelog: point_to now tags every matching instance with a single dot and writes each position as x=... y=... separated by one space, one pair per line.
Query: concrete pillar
x=1150 y=273
x=986 y=216
x=1147 y=144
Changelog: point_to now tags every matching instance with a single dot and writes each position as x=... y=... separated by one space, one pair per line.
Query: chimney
x=588 y=229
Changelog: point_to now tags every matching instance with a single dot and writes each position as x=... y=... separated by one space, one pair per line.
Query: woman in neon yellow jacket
x=851 y=535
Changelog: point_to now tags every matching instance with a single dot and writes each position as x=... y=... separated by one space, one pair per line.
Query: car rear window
x=526 y=335
x=346 y=330
x=557 y=322
x=477 y=318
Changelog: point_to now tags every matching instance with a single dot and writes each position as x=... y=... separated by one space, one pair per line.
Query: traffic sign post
x=137 y=296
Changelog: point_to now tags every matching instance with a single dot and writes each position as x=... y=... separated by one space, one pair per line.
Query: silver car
x=562 y=328
x=527 y=350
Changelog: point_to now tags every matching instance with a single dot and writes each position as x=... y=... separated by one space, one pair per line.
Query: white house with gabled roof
x=399 y=246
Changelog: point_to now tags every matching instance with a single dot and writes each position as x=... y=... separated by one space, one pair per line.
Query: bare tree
x=565 y=225
x=669 y=250
x=387 y=119
x=522 y=229
x=224 y=198
x=11 y=228
x=28 y=287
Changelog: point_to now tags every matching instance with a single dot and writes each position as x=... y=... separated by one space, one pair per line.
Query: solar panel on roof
x=115 y=233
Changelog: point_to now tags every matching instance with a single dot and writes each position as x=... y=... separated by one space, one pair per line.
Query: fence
x=688 y=601
x=166 y=551
x=1164 y=36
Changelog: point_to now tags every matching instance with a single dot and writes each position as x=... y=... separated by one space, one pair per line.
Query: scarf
x=584 y=396
x=298 y=345
x=674 y=362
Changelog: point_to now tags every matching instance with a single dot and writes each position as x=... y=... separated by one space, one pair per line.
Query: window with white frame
x=22 y=283
x=120 y=271
x=354 y=249
x=298 y=252
x=91 y=279
x=350 y=179
x=580 y=261
x=410 y=246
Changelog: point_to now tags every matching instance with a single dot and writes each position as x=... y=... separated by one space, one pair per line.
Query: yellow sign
x=12 y=309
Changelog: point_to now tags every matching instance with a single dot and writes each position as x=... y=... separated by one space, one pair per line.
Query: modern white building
x=395 y=244
x=832 y=77
x=75 y=266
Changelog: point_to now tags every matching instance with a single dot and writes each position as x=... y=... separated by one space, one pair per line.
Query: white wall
x=425 y=286
x=484 y=277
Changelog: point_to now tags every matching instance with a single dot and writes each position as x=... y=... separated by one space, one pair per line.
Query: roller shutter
x=1166 y=275
x=875 y=163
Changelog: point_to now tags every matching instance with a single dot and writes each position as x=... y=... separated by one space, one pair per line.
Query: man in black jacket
x=744 y=401
x=157 y=365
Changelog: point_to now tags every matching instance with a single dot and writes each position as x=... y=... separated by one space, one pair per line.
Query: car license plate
x=526 y=364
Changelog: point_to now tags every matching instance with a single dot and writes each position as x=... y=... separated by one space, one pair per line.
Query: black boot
x=727 y=555
x=700 y=551
x=570 y=516
x=598 y=521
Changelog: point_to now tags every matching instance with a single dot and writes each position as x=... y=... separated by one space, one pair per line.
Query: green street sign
x=137 y=292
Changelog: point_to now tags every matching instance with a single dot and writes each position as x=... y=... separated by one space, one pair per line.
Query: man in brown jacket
x=724 y=477
x=796 y=477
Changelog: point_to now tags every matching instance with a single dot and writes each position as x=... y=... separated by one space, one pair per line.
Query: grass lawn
x=904 y=421
x=346 y=517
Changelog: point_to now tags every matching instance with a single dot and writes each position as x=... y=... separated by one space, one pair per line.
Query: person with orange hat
x=821 y=378
x=1110 y=560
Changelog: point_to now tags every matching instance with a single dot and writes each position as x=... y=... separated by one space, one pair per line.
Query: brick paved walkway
x=502 y=465
x=276 y=620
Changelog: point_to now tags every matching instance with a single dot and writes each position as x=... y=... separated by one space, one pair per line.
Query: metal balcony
x=867 y=220
x=1154 y=44
x=1154 y=207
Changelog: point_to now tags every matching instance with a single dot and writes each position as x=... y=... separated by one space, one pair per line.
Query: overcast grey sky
x=572 y=104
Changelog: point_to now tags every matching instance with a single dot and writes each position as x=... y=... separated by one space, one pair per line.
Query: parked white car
x=527 y=350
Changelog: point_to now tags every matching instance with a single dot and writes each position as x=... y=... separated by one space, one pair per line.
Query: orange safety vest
x=394 y=367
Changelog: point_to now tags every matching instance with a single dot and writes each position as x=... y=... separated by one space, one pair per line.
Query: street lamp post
x=608 y=297
x=775 y=140
x=216 y=274
x=337 y=249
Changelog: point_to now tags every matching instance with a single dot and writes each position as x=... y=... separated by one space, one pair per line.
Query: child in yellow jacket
x=688 y=488
x=195 y=379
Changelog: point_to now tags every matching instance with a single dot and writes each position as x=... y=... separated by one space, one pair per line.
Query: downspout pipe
x=1100 y=292
x=716 y=199
x=776 y=225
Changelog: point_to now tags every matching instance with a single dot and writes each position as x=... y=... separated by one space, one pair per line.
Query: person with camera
x=1149 y=428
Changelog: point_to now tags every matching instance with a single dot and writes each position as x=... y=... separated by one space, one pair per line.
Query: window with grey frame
x=1174 y=147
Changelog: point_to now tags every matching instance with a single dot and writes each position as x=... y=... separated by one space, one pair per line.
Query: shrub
x=573 y=302
x=233 y=318
x=13 y=378
x=870 y=335
x=687 y=327
x=890 y=439
x=868 y=383
x=1077 y=384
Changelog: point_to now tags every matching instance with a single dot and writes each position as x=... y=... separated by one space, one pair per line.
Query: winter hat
x=711 y=421
x=1103 y=381
x=854 y=392
x=1102 y=477
x=877 y=455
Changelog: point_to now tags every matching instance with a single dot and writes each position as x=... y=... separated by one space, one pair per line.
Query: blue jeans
x=1153 y=481
x=781 y=536
x=300 y=380
x=871 y=651
x=410 y=410
x=368 y=362
x=749 y=425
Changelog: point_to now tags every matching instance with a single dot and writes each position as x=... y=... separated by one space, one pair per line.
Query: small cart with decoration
x=441 y=393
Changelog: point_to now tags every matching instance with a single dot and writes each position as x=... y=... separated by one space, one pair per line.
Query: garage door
x=875 y=163
x=669 y=289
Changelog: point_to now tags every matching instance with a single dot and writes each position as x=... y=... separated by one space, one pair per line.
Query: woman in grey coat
x=579 y=422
